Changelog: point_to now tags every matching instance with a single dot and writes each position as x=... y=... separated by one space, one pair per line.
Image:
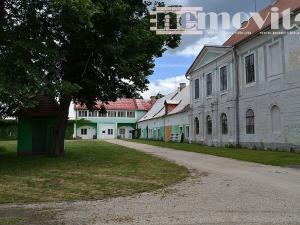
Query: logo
x=194 y=21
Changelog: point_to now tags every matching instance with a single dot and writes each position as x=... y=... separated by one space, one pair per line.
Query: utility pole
x=255 y=6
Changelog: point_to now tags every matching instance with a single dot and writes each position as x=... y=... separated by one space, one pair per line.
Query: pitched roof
x=158 y=110
x=206 y=48
x=252 y=28
x=47 y=107
x=122 y=104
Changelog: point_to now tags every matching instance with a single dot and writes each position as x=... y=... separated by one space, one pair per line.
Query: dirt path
x=220 y=191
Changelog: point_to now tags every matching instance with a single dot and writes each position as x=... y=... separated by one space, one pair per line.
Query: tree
x=75 y=50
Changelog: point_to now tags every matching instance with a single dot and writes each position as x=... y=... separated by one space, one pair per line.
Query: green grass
x=89 y=170
x=258 y=156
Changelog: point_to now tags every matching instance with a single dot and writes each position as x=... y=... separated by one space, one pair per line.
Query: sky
x=170 y=69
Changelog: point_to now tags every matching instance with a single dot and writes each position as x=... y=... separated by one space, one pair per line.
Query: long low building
x=168 y=119
x=119 y=120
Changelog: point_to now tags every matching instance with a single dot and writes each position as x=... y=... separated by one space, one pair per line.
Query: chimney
x=182 y=86
x=153 y=100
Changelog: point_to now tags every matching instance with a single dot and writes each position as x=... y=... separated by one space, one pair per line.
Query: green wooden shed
x=36 y=127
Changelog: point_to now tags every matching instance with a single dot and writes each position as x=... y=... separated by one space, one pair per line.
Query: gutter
x=237 y=96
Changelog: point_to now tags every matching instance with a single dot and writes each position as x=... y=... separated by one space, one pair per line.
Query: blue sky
x=170 y=69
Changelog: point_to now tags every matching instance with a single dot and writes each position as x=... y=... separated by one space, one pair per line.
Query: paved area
x=220 y=191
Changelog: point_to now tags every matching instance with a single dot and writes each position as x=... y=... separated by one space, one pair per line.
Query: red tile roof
x=253 y=29
x=123 y=104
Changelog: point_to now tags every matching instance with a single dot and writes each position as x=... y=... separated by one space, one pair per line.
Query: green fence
x=9 y=130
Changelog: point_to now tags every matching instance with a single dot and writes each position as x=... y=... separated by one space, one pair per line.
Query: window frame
x=250 y=126
x=121 y=112
x=220 y=75
x=209 y=125
x=110 y=112
x=254 y=71
x=224 y=124
x=197 y=125
x=211 y=82
x=110 y=131
x=270 y=74
x=131 y=112
x=83 y=133
x=197 y=88
x=102 y=115
x=187 y=131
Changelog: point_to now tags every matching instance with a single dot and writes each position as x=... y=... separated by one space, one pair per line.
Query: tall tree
x=75 y=50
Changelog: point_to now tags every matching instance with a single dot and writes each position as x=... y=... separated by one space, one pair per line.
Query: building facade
x=119 y=120
x=168 y=119
x=247 y=91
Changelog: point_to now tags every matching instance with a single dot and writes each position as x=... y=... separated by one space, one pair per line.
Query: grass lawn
x=89 y=170
x=258 y=156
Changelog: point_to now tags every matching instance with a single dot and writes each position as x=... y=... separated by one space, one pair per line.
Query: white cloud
x=194 y=48
x=164 y=86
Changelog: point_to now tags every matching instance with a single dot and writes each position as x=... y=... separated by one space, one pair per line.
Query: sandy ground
x=220 y=191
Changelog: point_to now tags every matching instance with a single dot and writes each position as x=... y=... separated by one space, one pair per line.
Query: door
x=39 y=137
x=122 y=133
x=107 y=132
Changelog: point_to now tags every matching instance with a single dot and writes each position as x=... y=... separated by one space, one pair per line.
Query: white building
x=247 y=91
x=168 y=119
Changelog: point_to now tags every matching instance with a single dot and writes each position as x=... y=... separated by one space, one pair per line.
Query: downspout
x=75 y=124
x=237 y=97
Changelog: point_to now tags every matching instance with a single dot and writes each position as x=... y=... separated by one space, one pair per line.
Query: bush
x=8 y=129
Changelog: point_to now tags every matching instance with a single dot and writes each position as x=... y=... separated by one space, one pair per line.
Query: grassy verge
x=258 y=156
x=90 y=170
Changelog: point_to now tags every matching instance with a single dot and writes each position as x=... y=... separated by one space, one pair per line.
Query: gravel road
x=220 y=191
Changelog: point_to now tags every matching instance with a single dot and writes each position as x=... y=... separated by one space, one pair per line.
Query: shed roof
x=47 y=107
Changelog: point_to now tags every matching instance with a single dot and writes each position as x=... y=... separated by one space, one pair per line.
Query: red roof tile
x=253 y=29
x=123 y=104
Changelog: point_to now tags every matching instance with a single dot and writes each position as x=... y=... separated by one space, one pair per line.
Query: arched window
x=224 y=124
x=275 y=119
x=197 y=126
x=209 y=125
x=250 y=123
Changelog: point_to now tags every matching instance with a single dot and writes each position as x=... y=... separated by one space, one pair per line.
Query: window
x=158 y=132
x=121 y=114
x=197 y=126
x=82 y=113
x=112 y=114
x=83 y=131
x=250 y=69
x=101 y=114
x=224 y=124
x=187 y=131
x=209 y=84
x=209 y=125
x=150 y=133
x=250 y=125
x=131 y=114
x=93 y=113
x=275 y=59
x=276 y=119
x=110 y=131
x=197 y=89
x=223 y=78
